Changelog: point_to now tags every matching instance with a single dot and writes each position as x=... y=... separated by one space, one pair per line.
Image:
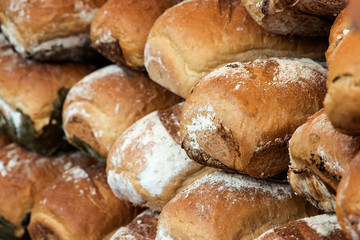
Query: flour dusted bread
x=147 y=166
x=31 y=98
x=301 y=17
x=348 y=199
x=241 y=116
x=79 y=205
x=321 y=227
x=23 y=176
x=319 y=156
x=103 y=104
x=195 y=37
x=121 y=27
x=229 y=206
x=339 y=30
x=51 y=29
x=143 y=227
x=341 y=101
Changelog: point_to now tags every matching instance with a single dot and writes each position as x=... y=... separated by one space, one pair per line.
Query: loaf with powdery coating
x=105 y=103
x=79 y=205
x=241 y=116
x=143 y=227
x=319 y=156
x=342 y=101
x=321 y=227
x=348 y=199
x=31 y=99
x=147 y=166
x=121 y=27
x=230 y=206
x=23 y=176
x=51 y=29
x=195 y=37
x=300 y=17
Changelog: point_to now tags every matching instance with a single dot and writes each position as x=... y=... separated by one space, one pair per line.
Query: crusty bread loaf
x=31 y=98
x=319 y=156
x=23 y=176
x=79 y=205
x=348 y=200
x=51 y=29
x=143 y=227
x=301 y=17
x=241 y=116
x=147 y=166
x=195 y=37
x=321 y=227
x=103 y=104
x=339 y=30
x=121 y=27
x=342 y=101
x=228 y=206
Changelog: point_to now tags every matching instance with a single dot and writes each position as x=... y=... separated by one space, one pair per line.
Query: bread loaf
x=301 y=17
x=147 y=166
x=241 y=116
x=348 y=199
x=319 y=156
x=23 y=176
x=143 y=227
x=339 y=30
x=233 y=207
x=51 y=29
x=321 y=227
x=79 y=205
x=195 y=37
x=341 y=101
x=103 y=104
x=31 y=98
x=120 y=29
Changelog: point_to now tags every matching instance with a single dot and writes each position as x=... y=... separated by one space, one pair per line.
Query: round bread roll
x=355 y=5
x=143 y=227
x=342 y=102
x=228 y=206
x=147 y=166
x=348 y=199
x=321 y=227
x=300 y=17
x=31 y=99
x=79 y=205
x=23 y=176
x=339 y=30
x=106 y=102
x=223 y=33
x=51 y=29
x=241 y=116
x=121 y=27
x=319 y=156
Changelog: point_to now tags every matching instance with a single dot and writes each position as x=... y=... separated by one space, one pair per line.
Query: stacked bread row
x=247 y=70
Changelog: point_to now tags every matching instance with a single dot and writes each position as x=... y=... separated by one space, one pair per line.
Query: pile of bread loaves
x=183 y=120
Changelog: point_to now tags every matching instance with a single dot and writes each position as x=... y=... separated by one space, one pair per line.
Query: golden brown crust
x=339 y=29
x=342 y=101
x=79 y=205
x=228 y=206
x=300 y=17
x=321 y=227
x=124 y=25
x=24 y=175
x=241 y=116
x=147 y=166
x=319 y=156
x=223 y=33
x=102 y=105
x=143 y=227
